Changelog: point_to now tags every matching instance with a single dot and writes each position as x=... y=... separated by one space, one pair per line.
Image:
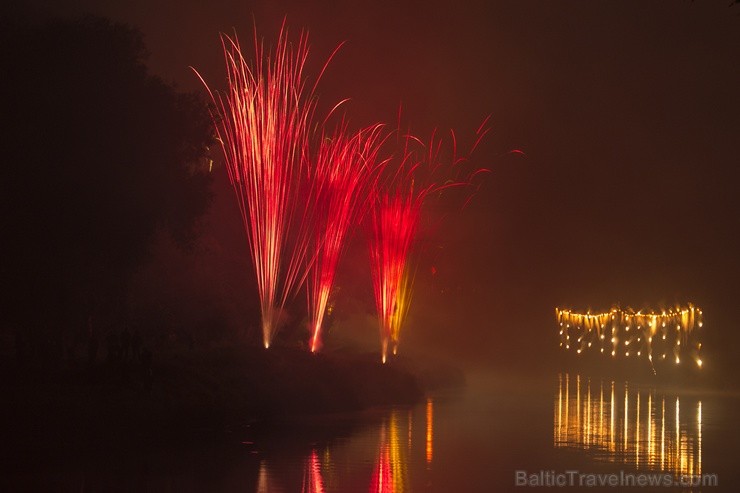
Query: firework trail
x=417 y=173
x=344 y=169
x=394 y=225
x=263 y=121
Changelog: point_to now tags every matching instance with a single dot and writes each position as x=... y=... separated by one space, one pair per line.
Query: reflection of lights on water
x=637 y=432
x=662 y=433
x=381 y=480
x=678 y=431
x=409 y=438
x=578 y=403
x=560 y=408
x=629 y=429
x=390 y=473
x=312 y=481
x=430 y=430
x=626 y=421
x=650 y=427
x=263 y=478
x=398 y=460
x=698 y=437
x=611 y=425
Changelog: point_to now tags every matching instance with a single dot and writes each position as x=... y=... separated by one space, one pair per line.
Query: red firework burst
x=263 y=122
x=344 y=168
x=418 y=172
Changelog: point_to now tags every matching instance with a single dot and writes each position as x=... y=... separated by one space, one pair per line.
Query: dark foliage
x=98 y=154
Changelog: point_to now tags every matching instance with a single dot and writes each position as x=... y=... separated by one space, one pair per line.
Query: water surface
x=473 y=439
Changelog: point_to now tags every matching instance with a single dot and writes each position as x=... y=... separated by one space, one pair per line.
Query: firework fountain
x=418 y=172
x=344 y=168
x=264 y=121
x=298 y=198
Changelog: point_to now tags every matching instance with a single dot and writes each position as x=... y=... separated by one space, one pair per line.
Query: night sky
x=628 y=112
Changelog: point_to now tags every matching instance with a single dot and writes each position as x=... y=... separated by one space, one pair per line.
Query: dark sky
x=629 y=114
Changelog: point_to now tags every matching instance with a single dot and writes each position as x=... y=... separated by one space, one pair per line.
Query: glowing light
x=698 y=421
x=264 y=121
x=430 y=431
x=699 y=363
x=629 y=428
x=415 y=172
x=642 y=326
x=382 y=476
x=312 y=481
x=340 y=176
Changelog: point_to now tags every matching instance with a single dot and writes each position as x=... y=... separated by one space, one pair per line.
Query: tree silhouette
x=98 y=155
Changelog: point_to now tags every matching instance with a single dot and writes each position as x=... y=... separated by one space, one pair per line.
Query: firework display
x=344 y=168
x=672 y=334
x=301 y=188
x=264 y=122
x=418 y=172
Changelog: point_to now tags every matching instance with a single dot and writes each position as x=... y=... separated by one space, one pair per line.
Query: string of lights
x=672 y=334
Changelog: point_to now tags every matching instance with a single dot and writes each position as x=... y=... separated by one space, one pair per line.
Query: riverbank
x=213 y=392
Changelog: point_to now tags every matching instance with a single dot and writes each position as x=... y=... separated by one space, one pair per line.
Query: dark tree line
x=98 y=154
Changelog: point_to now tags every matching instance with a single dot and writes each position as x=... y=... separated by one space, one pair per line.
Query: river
x=499 y=433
